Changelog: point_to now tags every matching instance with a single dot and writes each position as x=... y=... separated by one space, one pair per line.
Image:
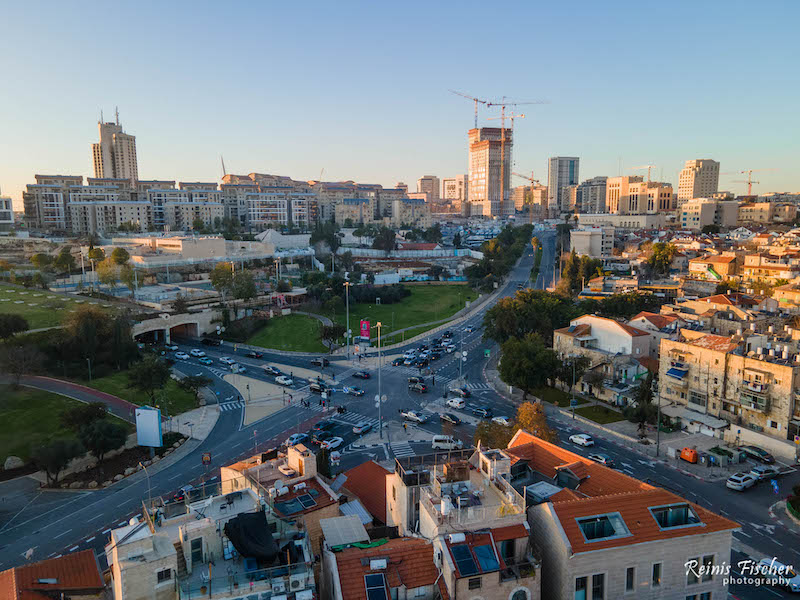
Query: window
x=656 y=579
x=394 y=493
x=675 y=515
x=520 y=595
x=708 y=564
x=163 y=575
x=705 y=596
x=420 y=592
x=581 y=584
x=691 y=575
x=630 y=579
x=197 y=550
x=474 y=583
x=376 y=586
x=603 y=527
x=598 y=586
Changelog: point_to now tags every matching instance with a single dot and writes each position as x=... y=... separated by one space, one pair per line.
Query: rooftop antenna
x=116 y=112
x=224 y=172
x=101 y=115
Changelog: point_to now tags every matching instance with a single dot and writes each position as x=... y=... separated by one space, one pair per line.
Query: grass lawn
x=48 y=310
x=177 y=399
x=599 y=414
x=425 y=304
x=551 y=395
x=297 y=333
x=31 y=418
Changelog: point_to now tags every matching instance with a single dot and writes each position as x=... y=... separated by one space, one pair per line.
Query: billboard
x=148 y=427
x=364 y=329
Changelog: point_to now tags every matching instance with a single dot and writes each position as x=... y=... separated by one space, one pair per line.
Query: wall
x=782 y=449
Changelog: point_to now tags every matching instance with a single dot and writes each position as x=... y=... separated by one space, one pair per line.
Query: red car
x=361 y=375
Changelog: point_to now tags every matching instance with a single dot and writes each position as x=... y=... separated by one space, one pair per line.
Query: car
x=204 y=360
x=449 y=348
x=362 y=427
x=520 y=286
x=320 y=362
x=324 y=425
x=422 y=362
x=211 y=342
x=321 y=436
x=226 y=360
x=197 y=353
x=603 y=459
x=446 y=442
x=436 y=341
x=296 y=438
x=483 y=411
x=502 y=421
x=435 y=356
x=237 y=368
x=397 y=362
x=447 y=335
x=461 y=392
x=409 y=354
x=353 y=390
x=254 y=354
x=422 y=348
x=332 y=443
x=413 y=415
x=181 y=355
x=361 y=375
x=287 y=470
x=170 y=347
x=469 y=329
x=740 y=482
x=762 y=472
x=408 y=361
x=758 y=454
x=778 y=574
x=419 y=388
x=317 y=388
x=182 y=493
x=270 y=370
x=455 y=403
x=284 y=380
x=450 y=418
x=582 y=439
x=416 y=379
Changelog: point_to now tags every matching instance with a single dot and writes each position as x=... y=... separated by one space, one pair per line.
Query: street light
x=347 y=296
x=248 y=393
x=380 y=364
x=149 y=496
x=89 y=362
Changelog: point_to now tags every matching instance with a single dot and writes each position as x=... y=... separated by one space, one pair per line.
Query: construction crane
x=511 y=117
x=648 y=167
x=475 y=100
x=749 y=181
x=534 y=182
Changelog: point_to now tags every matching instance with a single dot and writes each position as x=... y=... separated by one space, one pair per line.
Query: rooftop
x=367 y=482
x=75 y=573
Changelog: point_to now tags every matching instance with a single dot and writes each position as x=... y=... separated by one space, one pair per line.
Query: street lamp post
x=149 y=495
x=248 y=393
x=380 y=399
x=89 y=362
x=347 y=297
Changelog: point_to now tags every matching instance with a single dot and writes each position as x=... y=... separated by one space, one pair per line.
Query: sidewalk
x=781 y=515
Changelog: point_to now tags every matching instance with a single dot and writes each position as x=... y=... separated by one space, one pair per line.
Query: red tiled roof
x=732 y=299
x=75 y=573
x=368 y=482
x=577 y=468
x=651 y=364
x=710 y=341
x=659 y=321
x=322 y=499
x=409 y=562
x=720 y=260
x=578 y=330
x=511 y=532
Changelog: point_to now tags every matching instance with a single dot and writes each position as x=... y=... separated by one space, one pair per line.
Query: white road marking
x=72 y=549
x=107 y=530
x=100 y=516
x=90 y=539
x=55 y=537
x=742 y=533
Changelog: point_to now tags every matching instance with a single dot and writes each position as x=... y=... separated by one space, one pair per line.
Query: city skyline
x=368 y=125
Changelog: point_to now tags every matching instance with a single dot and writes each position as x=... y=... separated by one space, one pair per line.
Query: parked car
x=212 y=342
x=204 y=360
x=582 y=439
x=353 y=390
x=254 y=354
x=461 y=392
x=296 y=438
x=197 y=352
x=483 y=412
x=758 y=454
x=778 y=574
x=324 y=425
x=740 y=482
x=450 y=418
x=446 y=442
x=419 y=388
x=181 y=355
x=170 y=347
x=603 y=459
x=182 y=492
x=361 y=375
x=762 y=472
x=455 y=403
x=270 y=370
x=284 y=380
x=226 y=360
x=397 y=361
x=502 y=421
x=332 y=443
x=362 y=427
x=320 y=362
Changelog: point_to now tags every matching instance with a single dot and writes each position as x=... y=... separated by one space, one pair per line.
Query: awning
x=677 y=373
x=250 y=535
x=685 y=414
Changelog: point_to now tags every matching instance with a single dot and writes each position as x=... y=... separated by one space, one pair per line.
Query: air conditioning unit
x=299 y=486
x=273 y=492
x=377 y=565
x=278 y=586
x=296 y=582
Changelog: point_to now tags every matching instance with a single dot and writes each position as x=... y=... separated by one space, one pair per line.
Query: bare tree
x=20 y=360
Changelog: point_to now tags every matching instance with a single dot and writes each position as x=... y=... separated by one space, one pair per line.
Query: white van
x=456 y=403
x=446 y=442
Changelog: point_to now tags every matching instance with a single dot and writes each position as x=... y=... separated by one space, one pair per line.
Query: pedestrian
x=433 y=380
x=319 y=403
x=405 y=427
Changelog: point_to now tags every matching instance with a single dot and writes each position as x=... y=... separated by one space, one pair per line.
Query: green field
x=48 y=310
x=426 y=303
x=177 y=400
x=295 y=333
x=599 y=414
x=31 y=418
x=553 y=395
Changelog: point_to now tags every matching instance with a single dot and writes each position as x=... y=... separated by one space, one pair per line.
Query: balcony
x=757 y=387
x=236 y=578
x=521 y=570
x=754 y=401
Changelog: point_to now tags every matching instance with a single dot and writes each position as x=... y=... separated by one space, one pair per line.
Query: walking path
x=321 y=318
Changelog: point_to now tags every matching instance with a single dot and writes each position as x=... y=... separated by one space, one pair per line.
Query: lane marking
x=55 y=537
x=90 y=539
x=72 y=549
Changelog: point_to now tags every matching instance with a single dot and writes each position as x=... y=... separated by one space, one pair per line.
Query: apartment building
x=490 y=171
x=698 y=179
x=631 y=195
x=562 y=171
x=602 y=534
x=455 y=190
x=590 y=196
x=763 y=213
x=97 y=209
x=282 y=207
x=654 y=221
x=660 y=327
x=6 y=214
x=596 y=242
x=114 y=155
x=520 y=196
x=698 y=213
x=355 y=210
x=770 y=268
x=429 y=184
x=727 y=314
x=411 y=212
x=46 y=202
x=715 y=267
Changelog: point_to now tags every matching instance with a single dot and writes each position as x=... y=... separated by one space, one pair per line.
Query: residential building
x=356 y=210
x=403 y=187
x=701 y=212
x=562 y=171
x=6 y=214
x=75 y=575
x=520 y=196
x=411 y=212
x=631 y=195
x=698 y=179
x=282 y=206
x=99 y=209
x=596 y=242
x=46 y=202
x=539 y=201
x=455 y=190
x=115 y=154
x=367 y=483
x=727 y=314
x=659 y=327
x=490 y=171
x=430 y=185
x=651 y=221
x=602 y=534
x=770 y=268
x=756 y=212
x=590 y=196
x=715 y=267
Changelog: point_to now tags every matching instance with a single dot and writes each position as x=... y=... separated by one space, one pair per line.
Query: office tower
x=562 y=172
x=114 y=156
x=698 y=179
x=520 y=196
x=402 y=186
x=429 y=184
x=590 y=196
x=455 y=191
x=489 y=183
x=631 y=195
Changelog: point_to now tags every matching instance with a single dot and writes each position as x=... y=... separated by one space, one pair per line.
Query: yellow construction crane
x=476 y=101
x=533 y=183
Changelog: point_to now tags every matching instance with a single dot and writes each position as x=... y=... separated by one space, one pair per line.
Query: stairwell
x=182 y=571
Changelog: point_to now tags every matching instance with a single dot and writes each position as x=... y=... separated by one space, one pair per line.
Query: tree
x=571 y=370
x=243 y=286
x=331 y=333
x=493 y=435
x=710 y=229
x=284 y=285
x=529 y=311
x=532 y=418
x=527 y=363
x=594 y=378
x=103 y=436
x=64 y=262
x=96 y=254
x=346 y=261
x=384 y=240
x=221 y=278
x=86 y=327
x=661 y=259
x=334 y=304
x=77 y=417
x=41 y=261
x=435 y=272
x=433 y=234
x=55 y=457
x=149 y=375
x=5 y=266
x=108 y=272
x=644 y=411
x=180 y=305
x=457 y=240
x=20 y=360
x=128 y=277
x=12 y=324
x=198 y=225
x=122 y=345
x=120 y=256
x=193 y=384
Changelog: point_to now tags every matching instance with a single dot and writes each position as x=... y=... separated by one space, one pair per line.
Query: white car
x=227 y=360
x=779 y=574
x=197 y=353
x=284 y=380
x=332 y=443
x=450 y=349
x=296 y=438
x=361 y=427
x=740 y=482
x=456 y=403
x=582 y=439
x=502 y=421
x=762 y=472
x=181 y=356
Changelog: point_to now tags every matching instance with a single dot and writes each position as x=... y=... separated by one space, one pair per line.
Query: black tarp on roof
x=250 y=535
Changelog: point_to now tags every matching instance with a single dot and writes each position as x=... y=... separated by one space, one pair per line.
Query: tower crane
x=533 y=183
x=476 y=101
x=648 y=167
x=749 y=181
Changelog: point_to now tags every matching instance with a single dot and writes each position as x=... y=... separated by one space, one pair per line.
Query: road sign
x=206 y=458
x=464 y=353
x=775 y=487
x=797 y=439
x=487 y=353
x=573 y=402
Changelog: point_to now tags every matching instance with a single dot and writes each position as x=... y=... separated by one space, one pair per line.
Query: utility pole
x=347 y=296
x=380 y=398
x=89 y=362
x=149 y=495
x=572 y=390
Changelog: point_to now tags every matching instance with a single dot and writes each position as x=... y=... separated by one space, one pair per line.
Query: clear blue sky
x=360 y=89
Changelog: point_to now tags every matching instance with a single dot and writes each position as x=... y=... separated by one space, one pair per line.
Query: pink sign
x=365 y=329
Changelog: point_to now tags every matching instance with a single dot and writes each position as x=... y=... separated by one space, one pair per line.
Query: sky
x=360 y=89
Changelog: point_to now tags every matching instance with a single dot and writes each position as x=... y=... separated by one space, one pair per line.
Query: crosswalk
x=401 y=449
x=478 y=386
x=235 y=405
